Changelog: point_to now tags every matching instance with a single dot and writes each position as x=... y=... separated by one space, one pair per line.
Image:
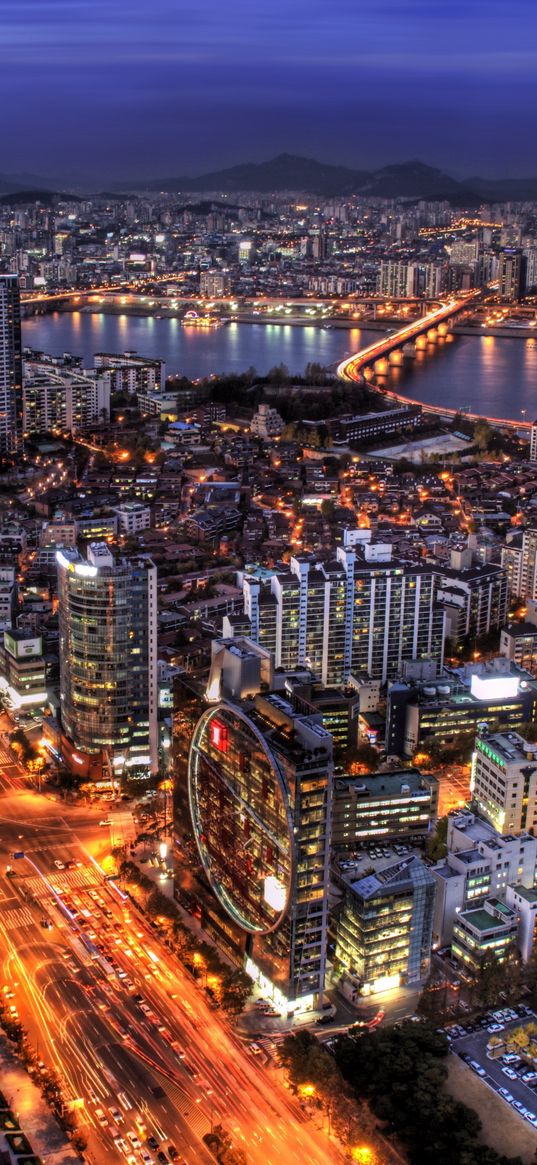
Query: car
x=134 y=1140
x=519 y=1106
x=152 y=1142
x=116 y=1114
x=321 y=1020
x=530 y=1116
x=477 y=1068
x=46 y=924
x=528 y=1077
x=173 y=1153
x=465 y=1056
x=509 y=1073
x=161 y=1156
x=506 y=1095
x=102 y=1118
x=106 y=821
x=120 y=1144
x=147 y=1158
x=509 y=1058
x=495 y=1027
x=59 y=865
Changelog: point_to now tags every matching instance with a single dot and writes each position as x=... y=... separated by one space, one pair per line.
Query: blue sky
x=125 y=88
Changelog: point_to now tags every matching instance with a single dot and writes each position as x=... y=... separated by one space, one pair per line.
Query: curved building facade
x=242 y=818
x=107 y=626
x=259 y=781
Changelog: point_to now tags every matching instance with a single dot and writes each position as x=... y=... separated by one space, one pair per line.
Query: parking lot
x=471 y=1046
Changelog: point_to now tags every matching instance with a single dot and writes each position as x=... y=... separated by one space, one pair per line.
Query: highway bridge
x=376 y=359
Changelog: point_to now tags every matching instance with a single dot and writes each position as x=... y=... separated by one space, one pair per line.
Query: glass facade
x=259 y=786
x=385 y=929
x=107 y=625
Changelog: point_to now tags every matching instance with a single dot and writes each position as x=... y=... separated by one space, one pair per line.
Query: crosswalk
x=193 y=1113
x=6 y=756
x=15 y=919
x=62 y=881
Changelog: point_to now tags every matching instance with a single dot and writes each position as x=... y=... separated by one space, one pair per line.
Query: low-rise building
x=490 y=929
x=22 y=669
x=132 y=517
x=385 y=806
x=479 y=863
x=419 y=712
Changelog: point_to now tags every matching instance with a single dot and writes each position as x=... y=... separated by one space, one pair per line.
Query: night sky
x=112 y=89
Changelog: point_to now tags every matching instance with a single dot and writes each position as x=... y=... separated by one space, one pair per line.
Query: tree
x=436 y=846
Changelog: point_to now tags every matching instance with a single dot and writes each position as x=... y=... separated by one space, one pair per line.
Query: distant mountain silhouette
x=411 y=179
x=45 y=197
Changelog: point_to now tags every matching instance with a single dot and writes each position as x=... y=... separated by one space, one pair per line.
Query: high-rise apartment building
x=362 y=612
x=503 y=781
x=10 y=367
x=511 y=274
x=108 y=657
x=533 y=442
x=63 y=400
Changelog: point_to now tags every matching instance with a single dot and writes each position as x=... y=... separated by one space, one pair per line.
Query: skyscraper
x=259 y=779
x=108 y=656
x=10 y=367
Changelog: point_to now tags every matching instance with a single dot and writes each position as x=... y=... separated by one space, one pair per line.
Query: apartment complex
x=362 y=612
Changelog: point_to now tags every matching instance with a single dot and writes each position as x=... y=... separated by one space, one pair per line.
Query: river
x=482 y=374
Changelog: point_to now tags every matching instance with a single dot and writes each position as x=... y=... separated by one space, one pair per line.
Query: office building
x=62 y=399
x=10 y=367
x=490 y=929
x=360 y=613
x=424 y=712
x=390 y=806
x=479 y=863
x=398 y=280
x=259 y=782
x=22 y=669
x=385 y=927
x=108 y=660
x=504 y=781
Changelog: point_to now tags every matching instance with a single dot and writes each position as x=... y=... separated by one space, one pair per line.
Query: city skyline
x=134 y=93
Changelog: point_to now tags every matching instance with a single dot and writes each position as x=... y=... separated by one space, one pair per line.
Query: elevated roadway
x=376 y=359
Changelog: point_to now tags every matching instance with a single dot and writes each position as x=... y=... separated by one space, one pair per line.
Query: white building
x=65 y=400
x=132 y=517
x=266 y=422
x=504 y=781
x=480 y=863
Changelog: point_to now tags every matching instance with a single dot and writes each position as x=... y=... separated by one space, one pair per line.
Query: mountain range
x=410 y=180
x=289 y=172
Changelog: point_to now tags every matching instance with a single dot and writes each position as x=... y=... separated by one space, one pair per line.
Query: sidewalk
x=46 y=1137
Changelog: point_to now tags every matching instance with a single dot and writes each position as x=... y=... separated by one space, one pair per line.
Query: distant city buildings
x=10 y=367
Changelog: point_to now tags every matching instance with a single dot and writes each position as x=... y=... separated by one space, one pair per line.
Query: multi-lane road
x=107 y=1004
